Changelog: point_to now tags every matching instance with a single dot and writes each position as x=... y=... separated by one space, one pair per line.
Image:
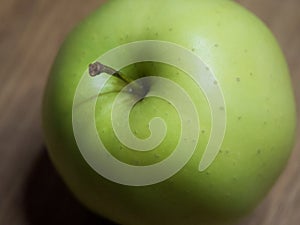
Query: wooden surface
x=31 y=32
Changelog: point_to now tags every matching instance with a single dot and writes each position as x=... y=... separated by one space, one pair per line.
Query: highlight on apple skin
x=165 y=87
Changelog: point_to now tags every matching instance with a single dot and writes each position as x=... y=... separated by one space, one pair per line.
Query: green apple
x=249 y=69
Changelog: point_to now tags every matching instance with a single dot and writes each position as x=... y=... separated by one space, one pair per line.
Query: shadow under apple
x=47 y=200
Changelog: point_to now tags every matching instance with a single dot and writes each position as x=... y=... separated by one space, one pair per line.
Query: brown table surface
x=31 y=32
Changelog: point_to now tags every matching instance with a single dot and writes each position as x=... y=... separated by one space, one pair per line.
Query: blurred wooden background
x=31 y=32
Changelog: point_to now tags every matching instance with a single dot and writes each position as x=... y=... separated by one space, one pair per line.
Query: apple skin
x=260 y=108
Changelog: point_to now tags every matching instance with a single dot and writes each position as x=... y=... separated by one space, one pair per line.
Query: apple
x=126 y=79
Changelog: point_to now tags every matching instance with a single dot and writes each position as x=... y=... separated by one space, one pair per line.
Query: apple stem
x=98 y=68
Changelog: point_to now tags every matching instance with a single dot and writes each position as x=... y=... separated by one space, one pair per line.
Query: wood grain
x=31 y=32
